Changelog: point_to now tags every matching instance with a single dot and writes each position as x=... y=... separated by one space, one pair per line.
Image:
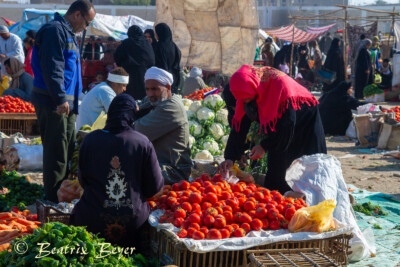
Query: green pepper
x=89 y=260
x=62 y=258
x=58 y=232
x=48 y=262
x=91 y=249
x=39 y=237
x=62 y=243
x=27 y=260
x=48 y=226
x=66 y=230
x=79 y=265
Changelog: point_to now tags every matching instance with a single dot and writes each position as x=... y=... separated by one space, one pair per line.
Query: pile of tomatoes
x=9 y=104
x=199 y=94
x=210 y=208
x=394 y=110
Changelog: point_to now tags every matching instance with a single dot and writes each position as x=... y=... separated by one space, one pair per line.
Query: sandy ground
x=372 y=172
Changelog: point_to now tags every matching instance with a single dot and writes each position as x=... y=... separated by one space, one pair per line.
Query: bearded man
x=166 y=125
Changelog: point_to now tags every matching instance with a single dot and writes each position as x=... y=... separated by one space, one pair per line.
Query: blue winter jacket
x=55 y=64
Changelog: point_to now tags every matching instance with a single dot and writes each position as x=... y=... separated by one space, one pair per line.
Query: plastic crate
x=47 y=213
x=25 y=123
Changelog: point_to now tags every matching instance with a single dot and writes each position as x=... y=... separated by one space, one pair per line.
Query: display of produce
x=209 y=127
x=395 y=110
x=9 y=104
x=58 y=236
x=369 y=209
x=14 y=225
x=211 y=208
x=372 y=89
x=20 y=192
x=199 y=94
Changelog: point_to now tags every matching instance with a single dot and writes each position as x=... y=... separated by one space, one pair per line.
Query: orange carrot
x=4 y=246
x=24 y=222
x=5 y=215
x=4 y=227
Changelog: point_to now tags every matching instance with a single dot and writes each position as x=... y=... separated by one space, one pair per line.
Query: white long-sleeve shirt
x=12 y=47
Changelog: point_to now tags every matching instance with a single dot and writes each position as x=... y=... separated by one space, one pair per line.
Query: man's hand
x=225 y=166
x=367 y=72
x=63 y=108
x=2 y=56
x=257 y=153
x=243 y=161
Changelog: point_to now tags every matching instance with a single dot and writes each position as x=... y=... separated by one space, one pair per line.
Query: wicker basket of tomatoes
x=210 y=222
x=17 y=115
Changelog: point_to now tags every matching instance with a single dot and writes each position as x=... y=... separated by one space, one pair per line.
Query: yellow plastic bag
x=4 y=84
x=317 y=218
x=100 y=123
x=69 y=190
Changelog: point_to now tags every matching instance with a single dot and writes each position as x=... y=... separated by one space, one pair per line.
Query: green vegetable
x=377 y=226
x=369 y=209
x=372 y=89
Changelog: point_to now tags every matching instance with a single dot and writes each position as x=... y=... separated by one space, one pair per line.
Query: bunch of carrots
x=199 y=94
x=13 y=225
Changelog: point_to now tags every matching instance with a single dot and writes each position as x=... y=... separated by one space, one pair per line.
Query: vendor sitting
x=118 y=172
x=99 y=98
x=22 y=82
x=335 y=108
x=166 y=125
x=387 y=75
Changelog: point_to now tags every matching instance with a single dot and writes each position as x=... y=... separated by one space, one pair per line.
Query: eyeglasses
x=87 y=22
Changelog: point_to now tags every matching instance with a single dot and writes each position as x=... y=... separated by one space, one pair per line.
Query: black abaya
x=135 y=55
x=363 y=64
x=167 y=53
x=334 y=62
x=335 y=107
x=298 y=133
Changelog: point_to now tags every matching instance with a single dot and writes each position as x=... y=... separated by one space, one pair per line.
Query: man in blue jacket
x=56 y=88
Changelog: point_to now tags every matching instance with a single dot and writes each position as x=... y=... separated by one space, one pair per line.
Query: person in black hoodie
x=135 y=55
x=335 y=108
x=167 y=53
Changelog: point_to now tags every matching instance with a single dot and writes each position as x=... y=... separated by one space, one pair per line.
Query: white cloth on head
x=12 y=47
x=4 y=29
x=195 y=72
x=115 y=78
x=160 y=75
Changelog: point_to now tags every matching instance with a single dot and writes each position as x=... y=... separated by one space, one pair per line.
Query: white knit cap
x=160 y=75
x=195 y=72
x=3 y=29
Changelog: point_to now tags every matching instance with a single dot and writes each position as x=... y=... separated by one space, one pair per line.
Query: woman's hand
x=257 y=153
x=243 y=161
x=225 y=166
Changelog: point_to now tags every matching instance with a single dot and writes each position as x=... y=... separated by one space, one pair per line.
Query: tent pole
x=83 y=40
x=291 y=54
x=390 y=34
x=345 y=49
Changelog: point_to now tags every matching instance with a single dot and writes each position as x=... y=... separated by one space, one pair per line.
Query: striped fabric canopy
x=300 y=36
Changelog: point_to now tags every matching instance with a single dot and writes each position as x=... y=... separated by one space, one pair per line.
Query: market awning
x=300 y=36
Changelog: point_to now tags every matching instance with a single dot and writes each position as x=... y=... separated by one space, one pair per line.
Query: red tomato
x=185 y=224
x=229 y=228
x=209 y=220
x=196 y=207
x=214 y=234
x=235 y=226
x=212 y=211
x=198 y=235
x=227 y=208
x=194 y=218
x=246 y=226
x=206 y=205
x=261 y=213
x=289 y=213
x=275 y=225
x=237 y=188
x=217 y=178
x=170 y=201
x=240 y=232
x=178 y=222
x=210 y=189
x=175 y=187
x=265 y=223
x=204 y=229
x=211 y=197
x=220 y=221
x=225 y=233
x=186 y=206
x=195 y=198
x=256 y=224
x=252 y=214
x=182 y=233
x=183 y=185
x=233 y=202
x=190 y=232
x=180 y=213
x=228 y=216
x=273 y=214
x=195 y=226
x=249 y=205
x=281 y=208
x=196 y=184
x=224 y=195
x=245 y=218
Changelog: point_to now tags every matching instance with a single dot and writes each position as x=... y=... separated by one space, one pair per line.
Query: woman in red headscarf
x=287 y=113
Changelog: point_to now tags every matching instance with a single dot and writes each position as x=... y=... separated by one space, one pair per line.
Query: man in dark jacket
x=56 y=88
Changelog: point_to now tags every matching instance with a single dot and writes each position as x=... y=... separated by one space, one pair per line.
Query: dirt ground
x=371 y=172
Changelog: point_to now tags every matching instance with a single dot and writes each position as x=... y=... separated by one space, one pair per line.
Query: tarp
x=103 y=25
x=214 y=35
x=300 y=36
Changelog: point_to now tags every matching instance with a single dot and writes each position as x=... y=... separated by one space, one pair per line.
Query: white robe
x=12 y=47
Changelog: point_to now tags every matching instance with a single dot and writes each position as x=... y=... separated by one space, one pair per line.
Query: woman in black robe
x=150 y=37
x=286 y=111
x=363 y=69
x=135 y=55
x=118 y=170
x=167 y=53
x=335 y=107
x=334 y=62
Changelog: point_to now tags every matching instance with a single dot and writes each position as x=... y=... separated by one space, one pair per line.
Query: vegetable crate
x=172 y=251
x=48 y=213
x=25 y=123
x=289 y=257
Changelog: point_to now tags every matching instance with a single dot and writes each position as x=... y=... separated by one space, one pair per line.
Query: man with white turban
x=166 y=125
x=194 y=82
x=10 y=46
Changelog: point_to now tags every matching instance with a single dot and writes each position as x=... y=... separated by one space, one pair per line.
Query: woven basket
x=172 y=251
x=47 y=213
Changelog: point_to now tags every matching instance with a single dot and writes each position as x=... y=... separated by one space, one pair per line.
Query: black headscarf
x=167 y=53
x=335 y=62
x=135 y=55
x=121 y=114
x=153 y=38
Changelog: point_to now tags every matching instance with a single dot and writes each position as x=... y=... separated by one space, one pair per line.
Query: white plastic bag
x=351 y=130
x=320 y=178
x=30 y=157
